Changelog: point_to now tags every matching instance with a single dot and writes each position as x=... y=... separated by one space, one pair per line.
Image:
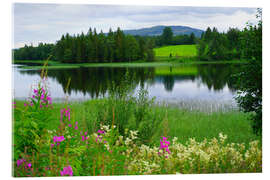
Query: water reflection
x=194 y=82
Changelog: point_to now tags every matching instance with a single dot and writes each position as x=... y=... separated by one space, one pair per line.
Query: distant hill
x=157 y=30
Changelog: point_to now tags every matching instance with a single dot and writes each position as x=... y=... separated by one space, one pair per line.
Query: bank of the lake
x=38 y=64
x=176 y=122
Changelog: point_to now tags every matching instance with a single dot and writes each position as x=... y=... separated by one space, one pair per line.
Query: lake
x=205 y=87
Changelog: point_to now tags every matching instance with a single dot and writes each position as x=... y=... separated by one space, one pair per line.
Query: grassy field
x=177 y=50
x=120 y=135
x=180 y=123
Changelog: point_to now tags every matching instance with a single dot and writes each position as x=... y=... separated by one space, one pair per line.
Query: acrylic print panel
x=136 y=90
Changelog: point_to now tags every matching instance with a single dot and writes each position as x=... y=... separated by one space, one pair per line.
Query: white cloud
x=47 y=22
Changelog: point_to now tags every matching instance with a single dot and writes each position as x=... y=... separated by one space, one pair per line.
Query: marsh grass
x=183 y=124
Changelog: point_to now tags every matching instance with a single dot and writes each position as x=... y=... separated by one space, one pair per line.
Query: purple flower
x=58 y=138
x=20 y=161
x=29 y=165
x=69 y=125
x=164 y=144
x=65 y=112
x=100 y=131
x=67 y=171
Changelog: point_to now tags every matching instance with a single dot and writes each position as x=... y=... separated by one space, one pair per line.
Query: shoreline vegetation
x=120 y=135
x=38 y=64
x=182 y=123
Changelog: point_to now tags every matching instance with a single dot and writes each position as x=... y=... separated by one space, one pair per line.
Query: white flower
x=127 y=141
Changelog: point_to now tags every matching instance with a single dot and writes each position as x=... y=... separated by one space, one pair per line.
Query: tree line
x=214 y=45
x=101 y=47
x=91 y=47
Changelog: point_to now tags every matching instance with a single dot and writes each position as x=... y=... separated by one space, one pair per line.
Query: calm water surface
x=203 y=87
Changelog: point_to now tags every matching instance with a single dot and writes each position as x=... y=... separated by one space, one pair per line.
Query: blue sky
x=34 y=23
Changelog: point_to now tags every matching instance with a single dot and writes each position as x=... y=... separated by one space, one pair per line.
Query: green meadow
x=183 y=124
x=176 y=51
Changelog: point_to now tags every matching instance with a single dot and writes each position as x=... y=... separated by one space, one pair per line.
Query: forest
x=115 y=46
x=102 y=47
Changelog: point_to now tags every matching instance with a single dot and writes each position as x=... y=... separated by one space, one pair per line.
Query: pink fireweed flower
x=100 y=131
x=76 y=125
x=52 y=145
x=29 y=165
x=25 y=104
x=67 y=171
x=69 y=125
x=164 y=144
x=35 y=91
x=58 y=138
x=99 y=137
x=20 y=161
x=66 y=113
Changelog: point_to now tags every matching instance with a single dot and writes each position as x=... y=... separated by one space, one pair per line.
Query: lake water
x=201 y=87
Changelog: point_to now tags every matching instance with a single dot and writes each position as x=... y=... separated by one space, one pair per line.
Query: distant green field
x=177 y=50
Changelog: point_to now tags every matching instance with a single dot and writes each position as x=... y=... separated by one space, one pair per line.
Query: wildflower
x=58 y=139
x=99 y=136
x=29 y=165
x=84 y=138
x=100 y=131
x=52 y=145
x=69 y=125
x=67 y=171
x=164 y=144
x=66 y=113
x=20 y=161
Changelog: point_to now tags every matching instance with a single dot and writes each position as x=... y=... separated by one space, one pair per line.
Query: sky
x=35 y=23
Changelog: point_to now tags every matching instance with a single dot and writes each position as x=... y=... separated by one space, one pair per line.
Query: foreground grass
x=76 y=142
x=179 y=123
